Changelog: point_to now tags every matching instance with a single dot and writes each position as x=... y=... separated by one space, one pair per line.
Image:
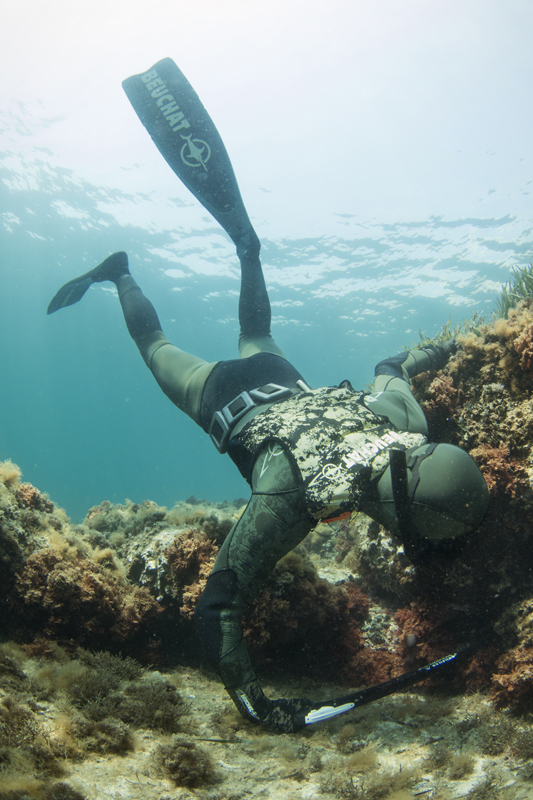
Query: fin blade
x=69 y=294
x=188 y=140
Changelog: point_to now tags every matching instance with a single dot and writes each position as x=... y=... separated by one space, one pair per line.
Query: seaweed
x=108 y=735
x=503 y=474
x=152 y=704
x=452 y=331
x=63 y=791
x=28 y=788
x=185 y=763
x=519 y=287
x=67 y=595
x=10 y=474
x=302 y=620
x=512 y=686
x=382 y=784
x=103 y=686
x=190 y=557
x=25 y=749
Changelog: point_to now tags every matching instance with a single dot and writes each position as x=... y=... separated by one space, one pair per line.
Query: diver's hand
x=440 y=353
x=285 y=716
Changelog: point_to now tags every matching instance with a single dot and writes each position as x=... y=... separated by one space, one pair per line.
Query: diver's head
x=432 y=492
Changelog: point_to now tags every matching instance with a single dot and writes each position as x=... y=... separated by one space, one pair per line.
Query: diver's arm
x=391 y=396
x=274 y=522
x=409 y=363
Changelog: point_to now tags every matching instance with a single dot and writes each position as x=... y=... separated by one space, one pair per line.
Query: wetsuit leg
x=254 y=307
x=274 y=522
x=179 y=374
x=409 y=363
x=140 y=315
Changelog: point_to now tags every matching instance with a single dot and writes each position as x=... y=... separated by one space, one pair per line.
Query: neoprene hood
x=446 y=495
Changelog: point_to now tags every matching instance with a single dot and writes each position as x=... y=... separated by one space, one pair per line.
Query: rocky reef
x=482 y=402
x=347 y=607
x=478 y=589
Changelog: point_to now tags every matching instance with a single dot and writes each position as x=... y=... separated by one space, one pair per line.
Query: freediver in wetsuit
x=308 y=454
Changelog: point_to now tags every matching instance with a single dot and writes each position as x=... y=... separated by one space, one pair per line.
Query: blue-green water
x=81 y=414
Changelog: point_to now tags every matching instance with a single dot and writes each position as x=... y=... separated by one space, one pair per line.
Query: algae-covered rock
x=168 y=552
x=26 y=516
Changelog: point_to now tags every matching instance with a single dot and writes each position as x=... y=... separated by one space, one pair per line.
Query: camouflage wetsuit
x=306 y=458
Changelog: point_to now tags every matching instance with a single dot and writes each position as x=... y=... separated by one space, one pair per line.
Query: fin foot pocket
x=71 y=292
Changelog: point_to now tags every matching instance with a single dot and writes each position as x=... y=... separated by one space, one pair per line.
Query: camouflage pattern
x=338 y=444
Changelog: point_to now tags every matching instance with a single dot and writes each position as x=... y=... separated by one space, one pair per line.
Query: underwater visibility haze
x=389 y=186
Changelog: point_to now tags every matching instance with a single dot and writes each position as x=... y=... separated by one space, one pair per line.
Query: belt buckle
x=270 y=393
x=219 y=431
x=224 y=421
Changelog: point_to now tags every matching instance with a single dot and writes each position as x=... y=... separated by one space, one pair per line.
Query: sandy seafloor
x=401 y=747
x=409 y=745
x=392 y=751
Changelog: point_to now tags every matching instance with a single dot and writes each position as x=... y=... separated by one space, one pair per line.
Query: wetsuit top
x=337 y=443
x=338 y=438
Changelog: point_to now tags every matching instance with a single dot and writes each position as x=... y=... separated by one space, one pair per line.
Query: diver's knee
x=219 y=593
x=392 y=366
x=249 y=246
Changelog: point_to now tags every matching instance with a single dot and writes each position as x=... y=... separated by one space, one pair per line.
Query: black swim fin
x=70 y=293
x=112 y=268
x=188 y=140
x=326 y=709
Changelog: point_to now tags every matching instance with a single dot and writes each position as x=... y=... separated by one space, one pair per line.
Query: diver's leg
x=254 y=306
x=392 y=397
x=180 y=375
x=274 y=522
x=139 y=314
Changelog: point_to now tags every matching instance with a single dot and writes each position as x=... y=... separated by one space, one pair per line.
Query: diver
x=307 y=454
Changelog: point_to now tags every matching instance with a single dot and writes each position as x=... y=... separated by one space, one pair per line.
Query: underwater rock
x=64 y=595
x=55 y=582
x=462 y=590
x=310 y=627
x=173 y=565
x=168 y=552
x=297 y=611
x=380 y=562
x=512 y=682
x=492 y=418
x=191 y=558
x=26 y=516
x=120 y=523
x=133 y=573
